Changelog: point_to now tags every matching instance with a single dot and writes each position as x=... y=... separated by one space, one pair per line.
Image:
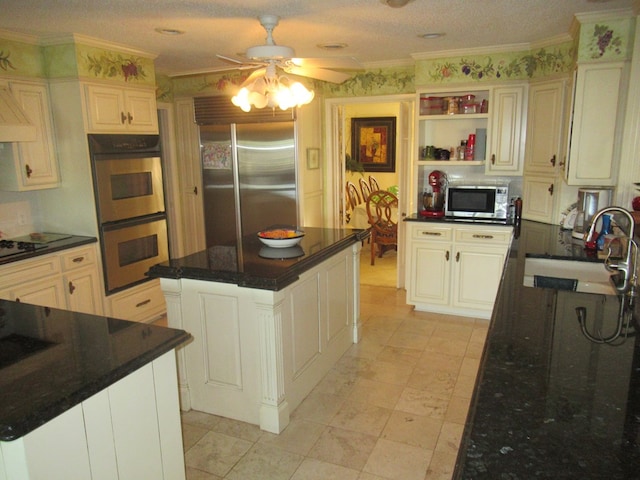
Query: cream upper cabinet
x=120 y=110
x=31 y=165
x=505 y=153
x=545 y=114
x=538 y=198
x=596 y=124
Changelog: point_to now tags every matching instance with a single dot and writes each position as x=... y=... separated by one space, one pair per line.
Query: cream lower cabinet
x=140 y=303
x=455 y=269
x=68 y=280
x=130 y=430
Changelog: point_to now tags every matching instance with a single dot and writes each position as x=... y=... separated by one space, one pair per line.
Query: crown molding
x=492 y=50
x=18 y=37
x=53 y=40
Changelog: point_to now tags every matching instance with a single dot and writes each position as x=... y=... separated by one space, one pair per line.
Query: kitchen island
x=548 y=402
x=85 y=396
x=268 y=323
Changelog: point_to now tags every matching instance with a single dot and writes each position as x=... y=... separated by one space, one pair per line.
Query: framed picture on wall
x=373 y=143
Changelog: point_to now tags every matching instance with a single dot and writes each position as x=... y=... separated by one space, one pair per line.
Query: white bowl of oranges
x=281 y=237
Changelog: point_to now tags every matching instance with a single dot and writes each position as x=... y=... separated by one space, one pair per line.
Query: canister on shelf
x=462 y=150
x=452 y=104
x=471 y=143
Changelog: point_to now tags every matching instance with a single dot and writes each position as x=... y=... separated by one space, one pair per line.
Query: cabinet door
x=83 y=291
x=34 y=165
x=429 y=272
x=142 y=113
x=47 y=293
x=477 y=273
x=544 y=127
x=538 y=198
x=594 y=132
x=507 y=136
x=105 y=109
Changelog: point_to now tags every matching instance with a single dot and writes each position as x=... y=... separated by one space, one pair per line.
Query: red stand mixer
x=433 y=201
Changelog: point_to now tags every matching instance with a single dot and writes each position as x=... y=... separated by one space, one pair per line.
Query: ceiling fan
x=265 y=58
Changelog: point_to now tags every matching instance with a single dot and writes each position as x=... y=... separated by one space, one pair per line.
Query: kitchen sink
x=587 y=277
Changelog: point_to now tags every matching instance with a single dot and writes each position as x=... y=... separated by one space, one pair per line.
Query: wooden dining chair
x=373 y=183
x=382 y=210
x=353 y=196
x=365 y=189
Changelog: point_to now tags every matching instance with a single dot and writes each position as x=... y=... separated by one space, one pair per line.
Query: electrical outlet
x=22 y=219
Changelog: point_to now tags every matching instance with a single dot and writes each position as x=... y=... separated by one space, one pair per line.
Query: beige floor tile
x=457 y=410
x=336 y=383
x=216 y=453
x=381 y=394
x=418 y=326
x=412 y=429
x=423 y=403
x=191 y=434
x=449 y=439
x=312 y=469
x=194 y=474
x=366 y=348
x=388 y=372
x=235 y=428
x=407 y=339
x=464 y=386
x=469 y=366
x=406 y=356
x=266 y=462
x=447 y=346
x=318 y=407
x=474 y=350
x=441 y=466
x=453 y=331
x=369 y=476
x=440 y=361
x=299 y=437
x=343 y=447
x=363 y=418
x=200 y=419
x=398 y=461
x=479 y=335
x=435 y=380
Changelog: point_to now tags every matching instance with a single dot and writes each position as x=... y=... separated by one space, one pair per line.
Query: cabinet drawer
x=431 y=233
x=140 y=304
x=28 y=271
x=484 y=235
x=78 y=258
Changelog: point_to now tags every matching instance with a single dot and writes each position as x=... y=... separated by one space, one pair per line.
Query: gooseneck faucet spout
x=627 y=265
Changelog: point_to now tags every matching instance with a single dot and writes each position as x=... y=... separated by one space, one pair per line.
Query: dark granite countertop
x=548 y=402
x=51 y=360
x=71 y=241
x=249 y=263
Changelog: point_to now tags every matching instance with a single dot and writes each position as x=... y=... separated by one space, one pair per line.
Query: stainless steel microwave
x=487 y=202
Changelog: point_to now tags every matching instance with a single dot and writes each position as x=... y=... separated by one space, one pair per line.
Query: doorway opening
x=388 y=270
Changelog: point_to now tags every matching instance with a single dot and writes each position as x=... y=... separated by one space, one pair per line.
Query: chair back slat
x=365 y=189
x=353 y=196
x=373 y=183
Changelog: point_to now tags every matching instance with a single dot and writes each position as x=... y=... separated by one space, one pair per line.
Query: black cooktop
x=12 y=247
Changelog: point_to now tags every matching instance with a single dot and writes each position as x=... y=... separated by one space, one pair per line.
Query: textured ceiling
x=373 y=31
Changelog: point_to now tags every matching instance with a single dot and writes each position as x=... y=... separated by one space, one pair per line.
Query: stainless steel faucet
x=627 y=265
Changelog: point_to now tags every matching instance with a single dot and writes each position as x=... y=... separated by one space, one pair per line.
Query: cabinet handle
x=563 y=162
x=78 y=260
x=553 y=160
x=550 y=189
x=457 y=256
x=143 y=303
x=433 y=234
x=28 y=170
x=129 y=117
x=446 y=256
x=195 y=190
x=493 y=159
x=486 y=237
x=123 y=118
x=72 y=288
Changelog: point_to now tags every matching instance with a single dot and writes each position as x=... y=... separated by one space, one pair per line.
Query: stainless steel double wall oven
x=127 y=175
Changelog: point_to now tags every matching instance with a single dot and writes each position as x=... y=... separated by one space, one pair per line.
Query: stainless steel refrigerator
x=249 y=178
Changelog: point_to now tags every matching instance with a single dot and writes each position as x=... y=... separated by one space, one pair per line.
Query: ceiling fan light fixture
x=272 y=91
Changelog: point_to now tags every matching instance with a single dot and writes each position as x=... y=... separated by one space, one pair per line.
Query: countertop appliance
x=477 y=201
x=590 y=201
x=433 y=200
x=127 y=174
x=13 y=247
x=248 y=170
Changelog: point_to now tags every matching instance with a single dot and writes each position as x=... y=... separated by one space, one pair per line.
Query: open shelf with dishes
x=445 y=121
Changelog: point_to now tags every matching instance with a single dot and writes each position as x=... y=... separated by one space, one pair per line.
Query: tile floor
x=393 y=407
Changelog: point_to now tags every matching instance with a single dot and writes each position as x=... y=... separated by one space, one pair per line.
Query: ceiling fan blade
x=346 y=63
x=255 y=74
x=226 y=58
x=318 y=73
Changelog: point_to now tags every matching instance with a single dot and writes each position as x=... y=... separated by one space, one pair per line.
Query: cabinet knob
x=493 y=159
x=72 y=288
x=28 y=170
x=446 y=256
x=550 y=189
x=123 y=118
x=195 y=190
x=553 y=160
x=457 y=256
x=130 y=118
